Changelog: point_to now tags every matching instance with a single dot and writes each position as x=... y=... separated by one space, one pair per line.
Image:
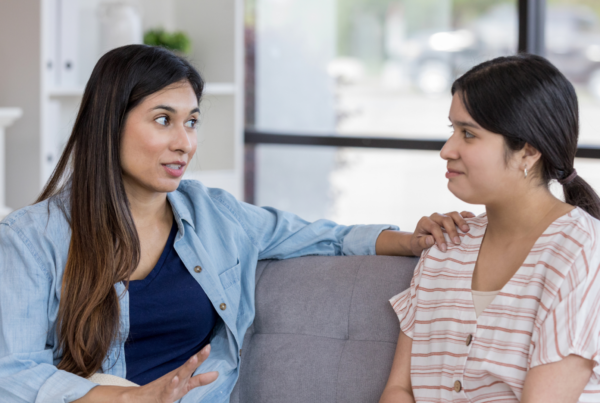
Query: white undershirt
x=481 y=300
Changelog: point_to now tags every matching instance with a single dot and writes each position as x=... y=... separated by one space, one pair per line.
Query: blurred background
x=327 y=108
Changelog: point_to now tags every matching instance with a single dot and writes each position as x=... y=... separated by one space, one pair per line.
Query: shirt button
x=197 y=269
x=469 y=339
x=223 y=307
x=457 y=386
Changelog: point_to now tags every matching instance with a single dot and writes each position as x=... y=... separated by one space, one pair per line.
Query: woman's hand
x=427 y=233
x=174 y=385
x=429 y=230
x=166 y=389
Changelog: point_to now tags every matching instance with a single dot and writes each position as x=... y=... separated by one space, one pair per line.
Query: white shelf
x=66 y=92
x=8 y=116
x=219 y=89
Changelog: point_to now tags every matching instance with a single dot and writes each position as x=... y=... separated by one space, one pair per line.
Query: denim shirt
x=219 y=240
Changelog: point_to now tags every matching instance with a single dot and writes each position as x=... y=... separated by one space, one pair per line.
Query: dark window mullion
x=532 y=22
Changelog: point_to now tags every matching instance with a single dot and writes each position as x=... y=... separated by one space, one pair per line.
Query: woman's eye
x=468 y=135
x=191 y=123
x=162 y=120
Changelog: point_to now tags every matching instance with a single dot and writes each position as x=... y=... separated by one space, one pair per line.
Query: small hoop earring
x=525 y=173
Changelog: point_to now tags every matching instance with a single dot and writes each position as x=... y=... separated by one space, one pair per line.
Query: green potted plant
x=177 y=41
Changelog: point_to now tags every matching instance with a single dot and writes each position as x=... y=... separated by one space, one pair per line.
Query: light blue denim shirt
x=216 y=232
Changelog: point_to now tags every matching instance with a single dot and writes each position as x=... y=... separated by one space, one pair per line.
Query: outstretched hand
x=429 y=230
x=174 y=385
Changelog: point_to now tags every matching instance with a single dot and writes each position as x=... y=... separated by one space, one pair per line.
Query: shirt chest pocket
x=231 y=276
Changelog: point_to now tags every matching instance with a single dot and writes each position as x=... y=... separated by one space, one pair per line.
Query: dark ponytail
x=579 y=193
x=528 y=101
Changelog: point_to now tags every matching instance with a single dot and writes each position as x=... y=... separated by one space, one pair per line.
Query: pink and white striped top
x=549 y=309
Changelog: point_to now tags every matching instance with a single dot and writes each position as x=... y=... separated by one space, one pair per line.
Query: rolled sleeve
x=361 y=239
x=64 y=387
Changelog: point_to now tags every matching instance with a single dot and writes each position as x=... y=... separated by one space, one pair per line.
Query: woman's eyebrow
x=165 y=107
x=172 y=110
x=465 y=124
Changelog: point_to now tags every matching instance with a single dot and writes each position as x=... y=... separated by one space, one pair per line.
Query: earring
x=525 y=173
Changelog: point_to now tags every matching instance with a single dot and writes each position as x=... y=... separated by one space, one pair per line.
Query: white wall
x=20 y=87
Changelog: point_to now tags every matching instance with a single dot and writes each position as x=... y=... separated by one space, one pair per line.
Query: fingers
x=186 y=370
x=432 y=228
x=202 y=379
x=453 y=220
x=467 y=214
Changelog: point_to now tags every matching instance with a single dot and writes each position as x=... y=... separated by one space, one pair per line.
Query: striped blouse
x=549 y=309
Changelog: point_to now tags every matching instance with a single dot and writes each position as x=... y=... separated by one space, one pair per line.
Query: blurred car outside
x=433 y=59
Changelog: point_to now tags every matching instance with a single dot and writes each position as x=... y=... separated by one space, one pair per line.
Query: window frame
x=532 y=19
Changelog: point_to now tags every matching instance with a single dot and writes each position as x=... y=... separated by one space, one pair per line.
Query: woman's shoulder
x=38 y=235
x=47 y=213
x=577 y=230
x=478 y=223
x=571 y=246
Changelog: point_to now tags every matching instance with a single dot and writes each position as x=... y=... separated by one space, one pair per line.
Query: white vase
x=120 y=24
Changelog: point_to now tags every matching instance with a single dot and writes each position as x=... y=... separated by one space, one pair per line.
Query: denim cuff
x=64 y=387
x=361 y=239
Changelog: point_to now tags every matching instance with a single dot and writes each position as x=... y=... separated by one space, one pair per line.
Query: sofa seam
x=337 y=377
x=322 y=337
x=256 y=283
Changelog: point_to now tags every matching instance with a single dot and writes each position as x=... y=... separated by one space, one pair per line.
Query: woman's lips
x=175 y=170
x=452 y=174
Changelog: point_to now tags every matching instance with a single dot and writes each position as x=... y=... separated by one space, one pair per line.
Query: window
x=378 y=71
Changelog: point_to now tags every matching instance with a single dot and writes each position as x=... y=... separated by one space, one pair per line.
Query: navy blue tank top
x=170 y=317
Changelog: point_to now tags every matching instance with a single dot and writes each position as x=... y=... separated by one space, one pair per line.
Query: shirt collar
x=182 y=209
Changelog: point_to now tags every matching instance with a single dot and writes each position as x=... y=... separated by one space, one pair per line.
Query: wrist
x=126 y=395
x=394 y=243
x=405 y=246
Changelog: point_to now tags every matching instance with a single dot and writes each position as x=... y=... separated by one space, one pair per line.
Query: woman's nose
x=182 y=141
x=449 y=150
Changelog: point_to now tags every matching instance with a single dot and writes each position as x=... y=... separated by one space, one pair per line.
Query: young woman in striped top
x=511 y=313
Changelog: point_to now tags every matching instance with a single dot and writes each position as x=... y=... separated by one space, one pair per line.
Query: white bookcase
x=44 y=72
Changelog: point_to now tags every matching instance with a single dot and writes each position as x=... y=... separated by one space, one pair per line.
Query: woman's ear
x=530 y=156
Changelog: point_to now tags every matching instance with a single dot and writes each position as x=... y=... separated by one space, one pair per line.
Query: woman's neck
x=148 y=208
x=524 y=213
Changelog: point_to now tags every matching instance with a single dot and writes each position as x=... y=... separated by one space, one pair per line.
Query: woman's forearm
x=395 y=243
x=106 y=394
x=396 y=394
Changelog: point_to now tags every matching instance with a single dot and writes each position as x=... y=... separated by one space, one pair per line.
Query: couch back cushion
x=324 y=330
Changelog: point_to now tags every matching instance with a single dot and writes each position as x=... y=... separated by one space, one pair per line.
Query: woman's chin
x=462 y=194
x=166 y=185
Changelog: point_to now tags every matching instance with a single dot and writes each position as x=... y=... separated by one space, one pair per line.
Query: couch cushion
x=324 y=330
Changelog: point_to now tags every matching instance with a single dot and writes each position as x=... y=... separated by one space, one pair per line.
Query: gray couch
x=324 y=330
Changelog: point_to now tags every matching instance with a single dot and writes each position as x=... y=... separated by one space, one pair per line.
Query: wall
x=20 y=87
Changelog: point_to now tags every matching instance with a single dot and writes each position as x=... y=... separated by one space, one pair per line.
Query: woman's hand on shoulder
x=429 y=230
x=166 y=389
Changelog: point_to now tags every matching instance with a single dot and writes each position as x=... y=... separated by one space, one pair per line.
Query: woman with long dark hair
x=513 y=312
x=122 y=273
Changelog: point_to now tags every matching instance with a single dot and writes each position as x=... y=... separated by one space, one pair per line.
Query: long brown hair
x=105 y=247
